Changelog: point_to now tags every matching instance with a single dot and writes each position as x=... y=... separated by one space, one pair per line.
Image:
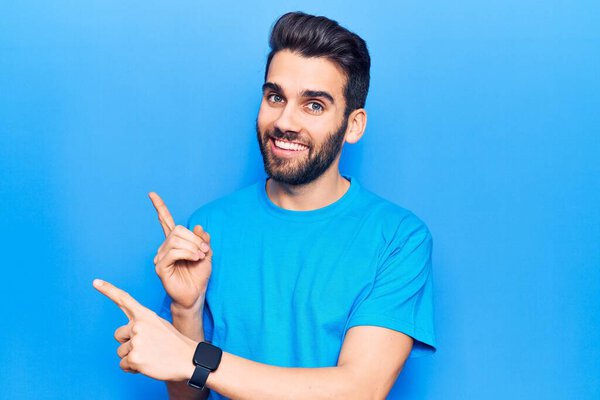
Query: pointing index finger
x=128 y=304
x=164 y=216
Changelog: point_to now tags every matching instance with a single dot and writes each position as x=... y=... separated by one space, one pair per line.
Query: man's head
x=316 y=83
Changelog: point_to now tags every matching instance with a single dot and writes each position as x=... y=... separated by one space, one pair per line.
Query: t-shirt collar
x=308 y=215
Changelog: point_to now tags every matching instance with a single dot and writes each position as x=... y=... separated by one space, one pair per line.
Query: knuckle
x=172 y=255
x=172 y=234
x=176 y=241
x=164 y=259
x=133 y=358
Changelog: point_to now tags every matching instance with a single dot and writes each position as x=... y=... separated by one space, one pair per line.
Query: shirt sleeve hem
x=424 y=340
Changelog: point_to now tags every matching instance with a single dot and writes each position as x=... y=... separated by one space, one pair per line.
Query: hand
x=184 y=260
x=150 y=344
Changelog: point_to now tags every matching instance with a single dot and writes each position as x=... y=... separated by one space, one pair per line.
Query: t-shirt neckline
x=308 y=215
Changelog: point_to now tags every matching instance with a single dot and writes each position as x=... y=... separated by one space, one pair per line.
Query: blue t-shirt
x=287 y=285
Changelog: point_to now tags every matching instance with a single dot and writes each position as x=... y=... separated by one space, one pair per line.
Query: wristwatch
x=206 y=359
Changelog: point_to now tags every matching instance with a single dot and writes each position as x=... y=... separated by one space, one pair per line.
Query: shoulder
x=233 y=203
x=395 y=221
x=402 y=238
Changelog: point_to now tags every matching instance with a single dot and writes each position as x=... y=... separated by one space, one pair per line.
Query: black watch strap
x=207 y=358
x=199 y=377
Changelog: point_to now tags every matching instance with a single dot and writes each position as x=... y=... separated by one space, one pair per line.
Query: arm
x=183 y=264
x=371 y=357
x=370 y=361
x=190 y=324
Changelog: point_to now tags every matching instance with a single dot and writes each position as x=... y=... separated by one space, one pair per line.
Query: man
x=308 y=286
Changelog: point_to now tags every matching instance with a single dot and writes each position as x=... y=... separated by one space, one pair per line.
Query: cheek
x=265 y=117
x=320 y=128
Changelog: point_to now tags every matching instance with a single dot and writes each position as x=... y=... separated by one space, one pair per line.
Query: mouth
x=286 y=148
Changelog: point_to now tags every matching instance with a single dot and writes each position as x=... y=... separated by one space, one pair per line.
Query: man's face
x=301 y=126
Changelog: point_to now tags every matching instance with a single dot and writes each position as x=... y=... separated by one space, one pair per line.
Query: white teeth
x=289 y=146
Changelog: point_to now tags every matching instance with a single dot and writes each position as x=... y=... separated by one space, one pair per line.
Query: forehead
x=295 y=73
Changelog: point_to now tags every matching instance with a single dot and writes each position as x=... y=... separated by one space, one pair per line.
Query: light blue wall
x=483 y=119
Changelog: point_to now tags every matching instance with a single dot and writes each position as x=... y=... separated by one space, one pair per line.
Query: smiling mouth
x=289 y=146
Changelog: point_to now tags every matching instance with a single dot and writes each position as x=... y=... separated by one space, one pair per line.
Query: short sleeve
x=165 y=309
x=401 y=297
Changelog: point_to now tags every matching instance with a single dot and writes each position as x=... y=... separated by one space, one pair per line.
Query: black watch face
x=207 y=356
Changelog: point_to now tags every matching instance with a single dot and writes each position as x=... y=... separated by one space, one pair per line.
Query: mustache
x=290 y=137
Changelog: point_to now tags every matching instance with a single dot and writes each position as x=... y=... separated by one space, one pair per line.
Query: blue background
x=483 y=120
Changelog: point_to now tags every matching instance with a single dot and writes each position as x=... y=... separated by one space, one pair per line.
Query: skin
x=293 y=113
x=371 y=357
x=184 y=260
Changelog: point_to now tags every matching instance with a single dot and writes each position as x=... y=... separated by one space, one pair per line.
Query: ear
x=357 y=122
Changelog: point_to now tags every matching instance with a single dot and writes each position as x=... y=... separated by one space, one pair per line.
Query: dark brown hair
x=317 y=36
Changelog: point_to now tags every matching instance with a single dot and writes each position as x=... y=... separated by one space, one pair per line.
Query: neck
x=325 y=190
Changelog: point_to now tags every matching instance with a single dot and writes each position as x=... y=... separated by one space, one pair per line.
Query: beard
x=296 y=170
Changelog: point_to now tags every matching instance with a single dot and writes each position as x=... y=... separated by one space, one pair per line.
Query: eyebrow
x=305 y=93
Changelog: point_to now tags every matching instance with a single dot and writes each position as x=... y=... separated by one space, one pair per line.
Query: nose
x=288 y=120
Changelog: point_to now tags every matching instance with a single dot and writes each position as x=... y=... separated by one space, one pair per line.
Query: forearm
x=240 y=378
x=190 y=324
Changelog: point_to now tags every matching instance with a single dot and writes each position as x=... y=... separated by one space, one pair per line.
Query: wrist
x=193 y=311
x=206 y=359
x=187 y=362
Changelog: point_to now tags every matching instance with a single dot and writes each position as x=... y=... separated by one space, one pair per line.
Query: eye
x=315 y=107
x=275 y=98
